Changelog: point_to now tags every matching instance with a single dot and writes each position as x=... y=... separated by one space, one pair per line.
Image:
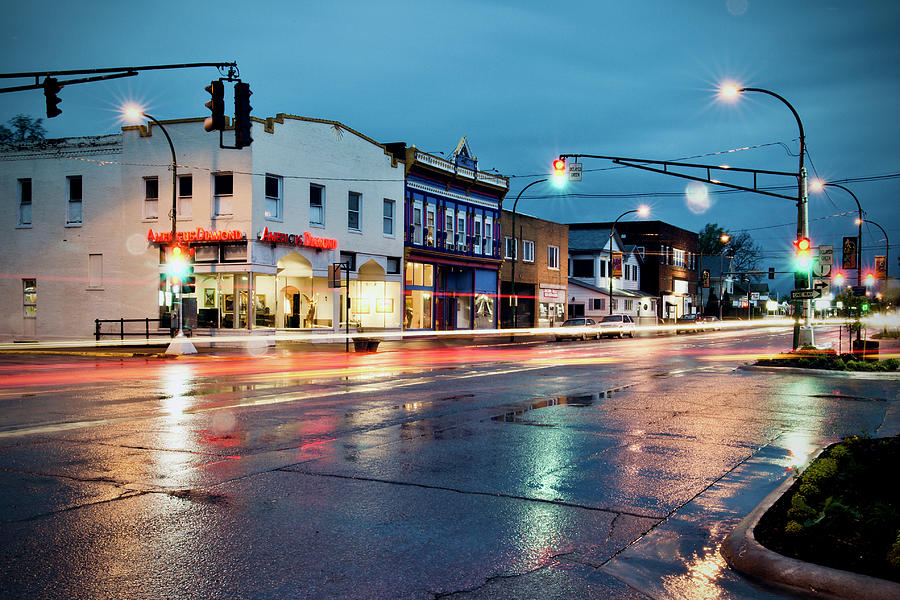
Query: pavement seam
x=287 y=469
x=123 y=496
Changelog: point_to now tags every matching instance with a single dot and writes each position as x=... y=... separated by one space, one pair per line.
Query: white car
x=617 y=325
x=582 y=328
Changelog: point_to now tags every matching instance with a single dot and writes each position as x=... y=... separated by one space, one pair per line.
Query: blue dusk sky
x=526 y=81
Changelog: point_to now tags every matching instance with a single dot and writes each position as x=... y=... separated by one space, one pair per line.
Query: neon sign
x=297 y=239
x=197 y=235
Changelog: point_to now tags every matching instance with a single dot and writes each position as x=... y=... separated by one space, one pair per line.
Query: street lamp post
x=515 y=255
x=802 y=212
x=724 y=238
x=887 y=246
x=642 y=211
x=180 y=344
x=860 y=218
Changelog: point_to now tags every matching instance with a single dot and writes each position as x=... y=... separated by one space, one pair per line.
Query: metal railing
x=121 y=332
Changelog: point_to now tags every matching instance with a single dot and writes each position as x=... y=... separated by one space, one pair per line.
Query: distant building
x=670 y=266
x=592 y=263
x=539 y=257
x=451 y=239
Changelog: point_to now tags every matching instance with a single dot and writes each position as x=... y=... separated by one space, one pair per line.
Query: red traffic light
x=802 y=244
x=559 y=166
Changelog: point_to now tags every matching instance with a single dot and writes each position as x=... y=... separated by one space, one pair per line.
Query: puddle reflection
x=517 y=412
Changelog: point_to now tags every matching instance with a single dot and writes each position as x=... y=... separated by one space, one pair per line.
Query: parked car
x=582 y=328
x=620 y=325
x=695 y=323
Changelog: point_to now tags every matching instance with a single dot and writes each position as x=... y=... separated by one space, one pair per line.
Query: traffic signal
x=216 y=105
x=865 y=307
x=870 y=279
x=704 y=276
x=188 y=281
x=177 y=263
x=801 y=254
x=559 y=167
x=771 y=272
x=51 y=89
x=242 y=110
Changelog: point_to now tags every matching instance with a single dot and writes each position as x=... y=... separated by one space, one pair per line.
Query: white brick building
x=87 y=218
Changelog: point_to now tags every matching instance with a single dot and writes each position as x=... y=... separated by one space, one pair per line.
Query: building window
x=449 y=239
x=602 y=268
x=527 y=251
x=477 y=235
x=274 y=188
x=510 y=248
x=583 y=267
x=354 y=205
x=599 y=304
x=417 y=224
x=151 y=198
x=316 y=204
x=388 y=218
x=429 y=225
x=461 y=231
x=553 y=257
x=627 y=271
x=223 y=190
x=29 y=297
x=185 y=196
x=24 y=202
x=95 y=271
x=678 y=257
x=75 y=202
x=629 y=305
x=349 y=259
x=615 y=304
x=488 y=236
x=393 y=265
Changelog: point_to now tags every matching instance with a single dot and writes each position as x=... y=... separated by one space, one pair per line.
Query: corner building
x=452 y=240
x=88 y=219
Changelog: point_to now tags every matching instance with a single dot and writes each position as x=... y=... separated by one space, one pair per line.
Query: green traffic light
x=178 y=268
x=865 y=308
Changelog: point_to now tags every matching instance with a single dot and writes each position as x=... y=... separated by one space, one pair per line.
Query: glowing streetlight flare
x=724 y=238
x=816 y=185
x=133 y=112
x=729 y=90
x=643 y=211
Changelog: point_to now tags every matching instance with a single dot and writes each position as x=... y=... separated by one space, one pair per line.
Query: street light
x=724 y=238
x=179 y=344
x=819 y=185
x=731 y=91
x=887 y=247
x=642 y=211
x=515 y=252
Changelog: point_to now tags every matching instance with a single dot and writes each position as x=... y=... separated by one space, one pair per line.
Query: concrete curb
x=889 y=375
x=741 y=550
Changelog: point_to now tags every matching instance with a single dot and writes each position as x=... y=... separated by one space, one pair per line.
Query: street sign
x=826 y=255
x=820 y=269
x=821 y=283
x=754 y=295
x=806 y=294
x=574 y=171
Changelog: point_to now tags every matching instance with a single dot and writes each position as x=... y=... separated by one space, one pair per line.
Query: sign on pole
x=821 y=269
x=826 y=254
x=849 y=259
x=880 y=267
x=574 y=171
x=806 y=294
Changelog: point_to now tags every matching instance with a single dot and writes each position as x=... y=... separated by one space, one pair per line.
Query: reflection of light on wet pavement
x=702 y=579
x=799 y=446
x=176 y=380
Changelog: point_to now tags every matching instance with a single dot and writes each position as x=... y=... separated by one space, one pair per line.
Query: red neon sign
x=197 y=235
x=297 y=239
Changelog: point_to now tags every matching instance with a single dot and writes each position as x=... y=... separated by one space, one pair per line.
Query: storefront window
x=484 y=311
x=375 y=304
x=207 y=300
x=417 y=312
x=264 y=300
x=464 y=312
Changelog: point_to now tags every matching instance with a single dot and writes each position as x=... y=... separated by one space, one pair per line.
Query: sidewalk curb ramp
x=744 y=553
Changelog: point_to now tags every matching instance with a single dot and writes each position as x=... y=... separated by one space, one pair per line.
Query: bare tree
x=22 y=128
x=745 y=252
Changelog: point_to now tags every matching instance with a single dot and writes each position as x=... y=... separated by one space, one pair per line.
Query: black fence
x=120 y=330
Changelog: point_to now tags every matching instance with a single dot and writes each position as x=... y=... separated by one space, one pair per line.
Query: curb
x=741 y=550
x=889 y=375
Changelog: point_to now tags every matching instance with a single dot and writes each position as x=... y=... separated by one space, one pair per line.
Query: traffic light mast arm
x=642 y=163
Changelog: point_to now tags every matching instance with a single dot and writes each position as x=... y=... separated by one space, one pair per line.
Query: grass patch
x=830 y=361
x=842 y=511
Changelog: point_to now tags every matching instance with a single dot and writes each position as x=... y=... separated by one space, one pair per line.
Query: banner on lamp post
x=849 y=258
x=617 y=264
x=880 y=267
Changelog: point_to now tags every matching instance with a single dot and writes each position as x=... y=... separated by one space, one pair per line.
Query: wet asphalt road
x=608 y=469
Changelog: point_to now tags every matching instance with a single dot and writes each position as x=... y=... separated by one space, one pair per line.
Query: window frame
x=26 y=303
x=527 y=251
x=218 y=205
x=21 y=187
x=553 y=258
x=181 y=197
x=388 y=208
x=510 y=242
x=320 y=208
x=146 y=213
x=358 y=212
x=71 y=201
